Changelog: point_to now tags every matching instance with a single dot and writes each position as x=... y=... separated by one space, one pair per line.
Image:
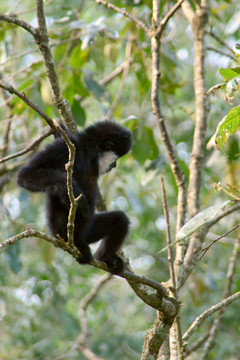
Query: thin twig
x=167 y=17
x=41 y=38
x=171 y=153
x=204 y=250
x=123 y=80
x=138 y=22
x=220 y=40
x=227 y=291
x=14 y=20
x=196 y=345
x=81 y=342
x=169 y=240
x=171 y=267
x=191 y=260
x=27 y=101
x=221 y=52
x=108 y=78
x=5 y=137
x=30 y=147
x=26 y=234
x=199 y=320
x=216 y=87
x=69 y=168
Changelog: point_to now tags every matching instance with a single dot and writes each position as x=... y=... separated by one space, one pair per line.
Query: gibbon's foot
x=85 y=259
x=114 y=263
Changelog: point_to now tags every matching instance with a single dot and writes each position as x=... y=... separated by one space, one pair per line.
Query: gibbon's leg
x=57 y=219
x=112 y=228
x=80 y=226
x=57 y=216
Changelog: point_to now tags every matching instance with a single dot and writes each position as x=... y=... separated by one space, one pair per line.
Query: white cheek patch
x=106 y=160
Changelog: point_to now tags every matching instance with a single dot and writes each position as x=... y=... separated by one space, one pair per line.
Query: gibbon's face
x=107 y=161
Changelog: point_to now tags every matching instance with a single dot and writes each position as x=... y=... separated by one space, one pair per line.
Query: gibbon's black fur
x=97 y=149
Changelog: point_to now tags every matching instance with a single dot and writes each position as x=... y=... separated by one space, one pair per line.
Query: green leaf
x=199 y=220
x=94 y=87
x=144 y=143
x=48 y=251
x=78 y=57
x=78 y=113
x=27 y=83
x=232 y=87
x=230 y=73
x=227 y=126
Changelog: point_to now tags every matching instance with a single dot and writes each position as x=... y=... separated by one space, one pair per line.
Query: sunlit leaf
x=232 y=87
x=233 y=24
x=230 y=73
x=199 y=220
x=144 y=143
x=228 y=126
x=78 y=57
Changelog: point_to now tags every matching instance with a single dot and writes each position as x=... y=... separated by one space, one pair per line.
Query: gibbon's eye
x=108 y=145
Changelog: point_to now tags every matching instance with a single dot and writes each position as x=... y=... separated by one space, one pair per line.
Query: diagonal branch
x=190 y=260
x=81 y=342
x=138 y=22
x=158 y=298
x=14 y=20
x=167 y=17
x=199 y=320
x=203 y=251
x=30 y=147
x=227 y=291
x=27 y=101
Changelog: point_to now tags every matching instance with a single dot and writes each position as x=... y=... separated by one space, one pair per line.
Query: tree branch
x=167 y=17
x=27 y=101
x=81 y=342
x=191 y=260
x=221 y=42
x=205 y=249
x=177 y=326
x=174 y=164
x=221 y=52
x=41 y=38
x=227 y=291
x=30 y=147
x=69 y=168
x=127 y=63
x=23 y=24
x=198 y=23
x=138 y=22
x=199 y=320
x=158 y=299
x=196 y=162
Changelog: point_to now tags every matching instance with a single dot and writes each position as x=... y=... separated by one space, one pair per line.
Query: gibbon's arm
x=45 y=171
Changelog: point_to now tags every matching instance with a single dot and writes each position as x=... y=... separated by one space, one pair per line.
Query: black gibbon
x=97 y=149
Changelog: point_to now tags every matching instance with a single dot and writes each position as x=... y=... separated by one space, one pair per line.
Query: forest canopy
x=169 y=72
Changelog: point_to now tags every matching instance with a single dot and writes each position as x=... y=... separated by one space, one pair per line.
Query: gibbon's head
x=112 y=140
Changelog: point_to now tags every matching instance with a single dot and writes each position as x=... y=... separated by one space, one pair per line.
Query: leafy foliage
x=42 y=288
